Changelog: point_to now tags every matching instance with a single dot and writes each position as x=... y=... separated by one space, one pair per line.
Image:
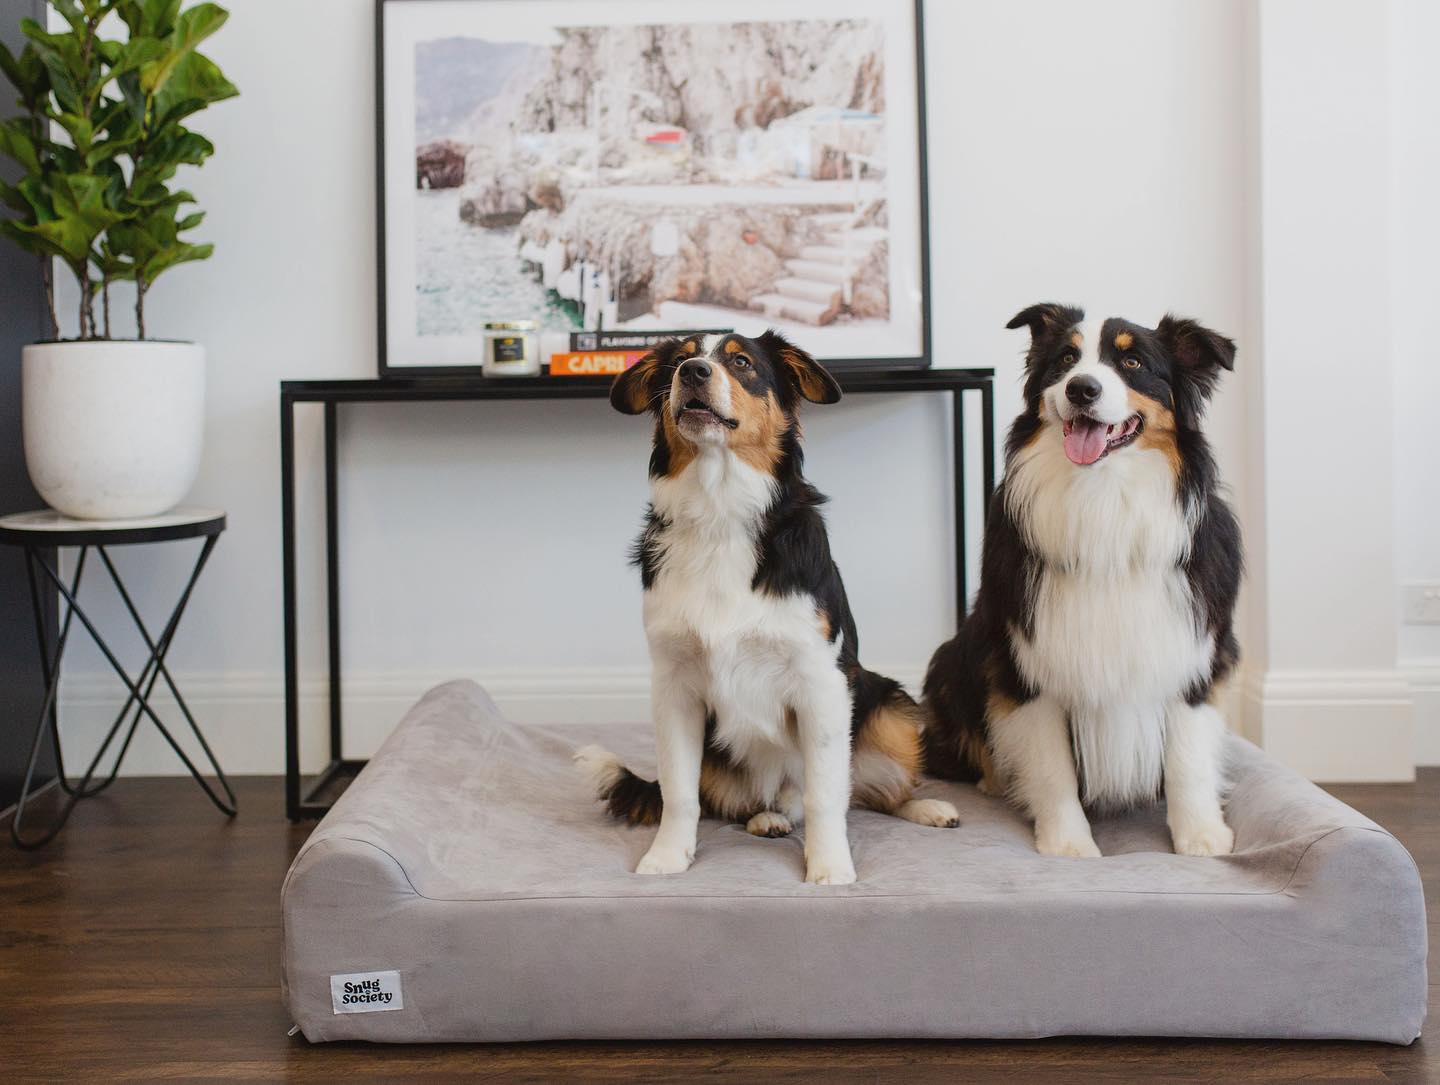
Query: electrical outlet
x=1421 y=602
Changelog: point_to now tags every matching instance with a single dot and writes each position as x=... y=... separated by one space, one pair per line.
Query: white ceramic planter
x=113 y=429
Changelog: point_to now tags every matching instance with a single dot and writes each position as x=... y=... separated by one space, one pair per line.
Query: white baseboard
x=243 y=713
x=1423 y=676
x=1334 y=726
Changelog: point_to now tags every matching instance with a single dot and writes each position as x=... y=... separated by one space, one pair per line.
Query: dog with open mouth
x=1085 y=674
x=763 y=713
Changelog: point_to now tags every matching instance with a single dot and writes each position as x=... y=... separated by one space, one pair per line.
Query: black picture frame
x=388 y=370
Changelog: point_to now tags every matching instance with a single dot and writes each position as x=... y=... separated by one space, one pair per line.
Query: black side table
x=40 y=531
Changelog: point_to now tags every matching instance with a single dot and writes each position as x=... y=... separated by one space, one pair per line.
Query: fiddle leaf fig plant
x=99 y=140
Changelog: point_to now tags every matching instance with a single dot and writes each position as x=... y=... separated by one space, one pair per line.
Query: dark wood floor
x=145 y=945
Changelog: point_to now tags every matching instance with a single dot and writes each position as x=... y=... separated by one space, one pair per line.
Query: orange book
x=593 y=363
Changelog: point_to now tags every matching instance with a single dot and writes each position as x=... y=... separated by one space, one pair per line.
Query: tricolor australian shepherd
x=1085 y=674
x=763 y=713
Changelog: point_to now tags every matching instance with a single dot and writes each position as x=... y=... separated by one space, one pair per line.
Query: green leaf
x=71 y=13
x=132 y=14
x=113 y=118
x=135 y=99
x=134 y=55
x=162 y=15
x=62 y=48
x=109 y=171
x=66 y=237
x=80 y=194
x=64 y=158
x=27 y=73
x=36 y=194
x=17 y=141
x=106 y=151
x=27 y=239
x=12 y=198
x=191 y=28
x=79 y=129
x=149 y=18
x=10 y=66
x=60 y=56
x=196 y=83
x=179 y=147
x=171 y=255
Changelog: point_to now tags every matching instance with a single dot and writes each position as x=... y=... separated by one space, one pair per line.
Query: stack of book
x=606 y=353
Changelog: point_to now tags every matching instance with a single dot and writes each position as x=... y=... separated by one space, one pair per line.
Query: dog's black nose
x=1083 y=390
x=695 y=371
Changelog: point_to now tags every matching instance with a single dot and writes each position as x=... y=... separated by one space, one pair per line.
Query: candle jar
x=512 y=349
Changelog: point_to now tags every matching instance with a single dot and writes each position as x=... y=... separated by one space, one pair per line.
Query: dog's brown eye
x=1130 y=362
x=1068 y=358
x=740 y=361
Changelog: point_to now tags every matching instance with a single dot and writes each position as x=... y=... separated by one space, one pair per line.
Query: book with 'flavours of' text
x=634 y=339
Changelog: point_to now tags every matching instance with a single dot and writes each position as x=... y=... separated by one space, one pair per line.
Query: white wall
x=1415 y=288
x=1083 y=153
x=1329 y=700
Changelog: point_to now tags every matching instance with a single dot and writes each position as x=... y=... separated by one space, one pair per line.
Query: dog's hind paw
x=769 y=823
x=936 y=813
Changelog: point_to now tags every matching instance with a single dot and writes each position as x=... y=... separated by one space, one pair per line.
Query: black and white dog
x=762 y=710
x=1085 y=674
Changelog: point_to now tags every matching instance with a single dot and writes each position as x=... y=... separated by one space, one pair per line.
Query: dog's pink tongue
x=1085 y=443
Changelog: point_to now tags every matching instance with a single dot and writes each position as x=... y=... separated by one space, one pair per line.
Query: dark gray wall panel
x=22 y=320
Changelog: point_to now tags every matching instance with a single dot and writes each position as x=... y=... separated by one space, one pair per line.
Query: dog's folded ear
x=811 y=379
x=1046 y=317
x=1195 y=347
x=632 y=391
x=1199 y=356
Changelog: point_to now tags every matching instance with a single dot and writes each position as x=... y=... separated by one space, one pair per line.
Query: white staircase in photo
x=817 y=284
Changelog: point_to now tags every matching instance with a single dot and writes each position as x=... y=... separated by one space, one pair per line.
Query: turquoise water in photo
x=467 y=275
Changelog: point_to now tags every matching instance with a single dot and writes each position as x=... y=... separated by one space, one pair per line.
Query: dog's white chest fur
x=749 y=655
x=1117 y=638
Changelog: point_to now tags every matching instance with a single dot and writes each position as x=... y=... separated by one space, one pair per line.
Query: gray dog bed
x=466 y=887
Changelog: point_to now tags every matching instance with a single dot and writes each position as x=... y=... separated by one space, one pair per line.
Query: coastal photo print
x=636 y=165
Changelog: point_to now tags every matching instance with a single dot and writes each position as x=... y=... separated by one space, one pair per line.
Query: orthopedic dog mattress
x=467 y=887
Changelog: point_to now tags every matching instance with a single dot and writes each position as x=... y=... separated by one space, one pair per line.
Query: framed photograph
x=631 y=166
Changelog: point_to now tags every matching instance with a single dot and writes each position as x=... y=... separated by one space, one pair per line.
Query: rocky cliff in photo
x=759 y=146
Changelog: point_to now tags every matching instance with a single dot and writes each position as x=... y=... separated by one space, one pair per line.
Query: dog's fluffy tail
x=624 y=794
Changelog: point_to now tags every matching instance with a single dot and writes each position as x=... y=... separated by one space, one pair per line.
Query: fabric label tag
x=366 y=992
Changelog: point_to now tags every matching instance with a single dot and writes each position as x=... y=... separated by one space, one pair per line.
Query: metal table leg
x=287 y=553
x=139 y=694
x=957 y=454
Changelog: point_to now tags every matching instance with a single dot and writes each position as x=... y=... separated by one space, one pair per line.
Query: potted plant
x=112 y=426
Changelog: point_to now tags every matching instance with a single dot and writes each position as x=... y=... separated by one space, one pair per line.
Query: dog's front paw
x=1203 y=838
x=830 y=873
x=834 y=870
x=666 y=860
x=1066 y=841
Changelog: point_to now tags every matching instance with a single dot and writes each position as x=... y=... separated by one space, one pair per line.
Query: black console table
x=313 y=800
